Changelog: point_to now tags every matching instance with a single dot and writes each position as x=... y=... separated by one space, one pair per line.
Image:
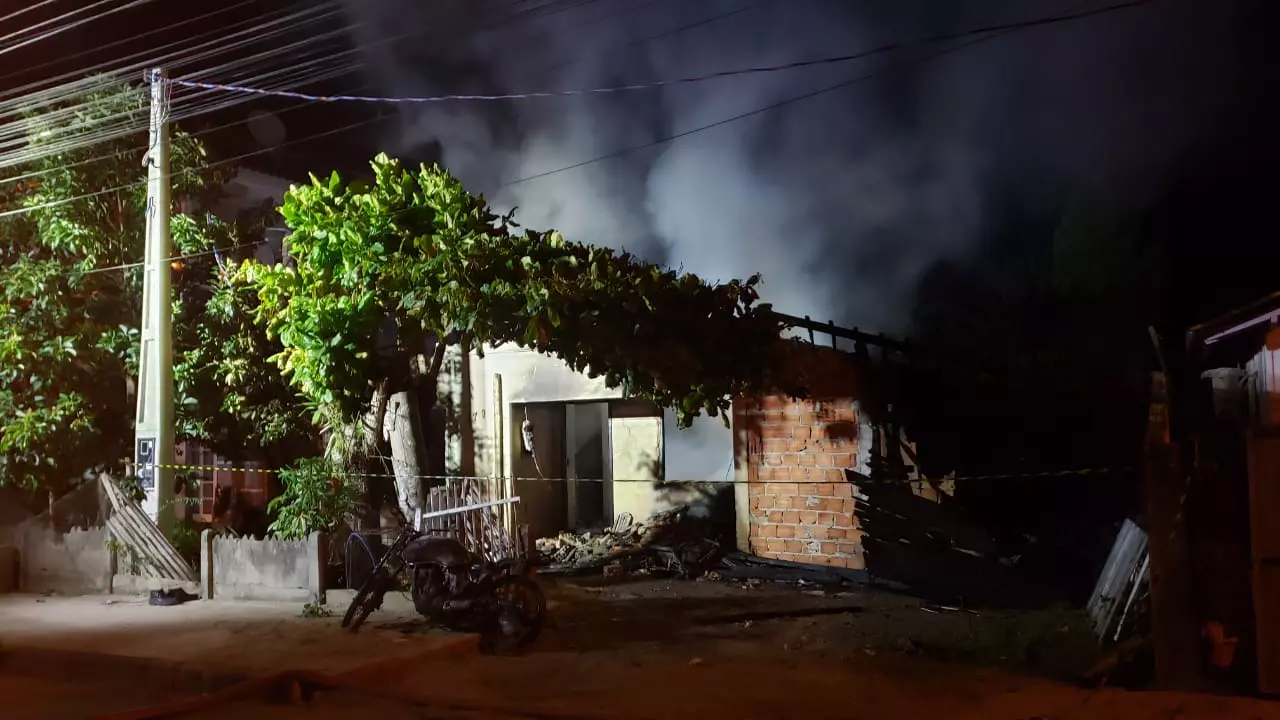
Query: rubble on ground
x=624 y=539
x=664 y=544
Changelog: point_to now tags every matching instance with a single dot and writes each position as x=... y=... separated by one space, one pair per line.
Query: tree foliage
x=315 y=499
x=69 y=313
x=415 y=250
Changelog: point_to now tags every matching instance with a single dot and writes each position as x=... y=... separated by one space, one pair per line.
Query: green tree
x=69 y=315
x=391 y=272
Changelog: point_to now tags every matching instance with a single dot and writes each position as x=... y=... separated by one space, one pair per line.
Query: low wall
x=77 y=561
x=8 y=569
x=275 y=570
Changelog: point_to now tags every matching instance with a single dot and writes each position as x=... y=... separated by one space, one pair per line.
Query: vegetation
x=315 y=499
x=385 y=270
x=69 y=315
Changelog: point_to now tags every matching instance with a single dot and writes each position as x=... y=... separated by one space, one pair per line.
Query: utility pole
x=154 y=428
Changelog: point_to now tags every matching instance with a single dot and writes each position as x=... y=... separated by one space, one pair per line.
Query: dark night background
x=1049 y=194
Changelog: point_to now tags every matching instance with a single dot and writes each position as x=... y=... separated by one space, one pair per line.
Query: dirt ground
x=669 y=649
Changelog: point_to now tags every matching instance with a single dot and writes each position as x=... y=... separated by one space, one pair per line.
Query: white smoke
x=841 y=201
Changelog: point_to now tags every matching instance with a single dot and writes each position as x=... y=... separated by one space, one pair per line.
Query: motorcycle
x=457 y=590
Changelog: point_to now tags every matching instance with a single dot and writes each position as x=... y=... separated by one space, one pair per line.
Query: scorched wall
x=793 y=457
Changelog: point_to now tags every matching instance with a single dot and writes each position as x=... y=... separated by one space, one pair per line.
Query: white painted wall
x=1264 y=387
x=701 y=453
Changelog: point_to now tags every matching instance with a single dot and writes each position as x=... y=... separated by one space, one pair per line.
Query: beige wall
x=703 y=453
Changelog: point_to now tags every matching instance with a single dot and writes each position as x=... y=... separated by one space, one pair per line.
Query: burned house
x=1230 y=420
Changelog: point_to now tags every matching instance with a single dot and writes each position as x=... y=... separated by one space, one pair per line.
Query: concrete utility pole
x=154 y=429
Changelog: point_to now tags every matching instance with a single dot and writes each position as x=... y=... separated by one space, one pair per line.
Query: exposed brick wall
x=795 y=453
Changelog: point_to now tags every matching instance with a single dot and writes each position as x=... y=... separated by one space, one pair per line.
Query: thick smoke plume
x=840 y=201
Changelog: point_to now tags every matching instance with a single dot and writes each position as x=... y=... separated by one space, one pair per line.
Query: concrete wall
x=248 y=569
x=77 y=561
x=700 y=454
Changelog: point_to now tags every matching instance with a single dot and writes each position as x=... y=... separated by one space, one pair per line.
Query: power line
x=166 y=29
x=26 y=10
x=68 y=26
x=991 y=35
x=933 y=40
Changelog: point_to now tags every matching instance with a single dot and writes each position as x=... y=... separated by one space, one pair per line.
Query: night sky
x=916 y=184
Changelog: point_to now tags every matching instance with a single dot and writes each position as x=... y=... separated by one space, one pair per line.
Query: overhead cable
x=933 y=40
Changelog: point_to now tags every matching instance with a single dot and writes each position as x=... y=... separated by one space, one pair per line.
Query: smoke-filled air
x=841 y=200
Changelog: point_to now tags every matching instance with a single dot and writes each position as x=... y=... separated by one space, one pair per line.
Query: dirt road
x=659 y=649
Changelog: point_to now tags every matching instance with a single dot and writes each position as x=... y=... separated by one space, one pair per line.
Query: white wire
x=68 y=26
x=26 y=10
x=19 y=131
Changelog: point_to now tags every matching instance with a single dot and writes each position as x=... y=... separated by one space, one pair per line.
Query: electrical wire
x=26 y=10
x=1007 y=29
x=992 y=35
x=16 y=134
x=891 y=47
x=68 y=26
x=166 y=29
x=128 y=123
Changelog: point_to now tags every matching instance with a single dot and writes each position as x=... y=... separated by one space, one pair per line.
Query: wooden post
x=1174 y=630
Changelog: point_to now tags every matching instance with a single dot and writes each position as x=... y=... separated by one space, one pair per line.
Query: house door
x=1264 y=531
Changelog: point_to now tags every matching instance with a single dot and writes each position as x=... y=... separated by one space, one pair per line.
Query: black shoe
x=165 y=598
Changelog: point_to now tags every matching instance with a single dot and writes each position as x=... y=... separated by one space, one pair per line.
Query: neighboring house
x=1234 y=495
x=247 y=190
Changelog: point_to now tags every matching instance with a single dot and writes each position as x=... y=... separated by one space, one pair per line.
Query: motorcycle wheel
x=367 y=599
x=519 y=611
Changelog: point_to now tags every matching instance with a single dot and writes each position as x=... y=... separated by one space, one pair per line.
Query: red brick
x=768 y=531
x=810 y=489
x=765 y=501
x=843 y=520
x=776 y=488
x=807 y=460
x=825 y=490
x=848 y=548
x=771 y=459
x=828 y=505
x=792 y=516
x=827 y=519
x=776 y=445
x=775 y=516
x=802 y=433
x=846 y=506
x=795 y=546
x=857 y=562
x=790 y=459
x=797 y=474
x=808 y=517
x=841 y=460
x=786 y=531
x=829 y=548
x=817 y=532
x=776 y=545
x=794 y=445
x=842 y=490
x=776 y=431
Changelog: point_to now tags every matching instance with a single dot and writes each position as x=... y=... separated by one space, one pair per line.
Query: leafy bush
x=316 y=498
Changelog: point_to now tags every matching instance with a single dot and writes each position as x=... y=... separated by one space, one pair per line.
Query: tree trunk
x=408 y=450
